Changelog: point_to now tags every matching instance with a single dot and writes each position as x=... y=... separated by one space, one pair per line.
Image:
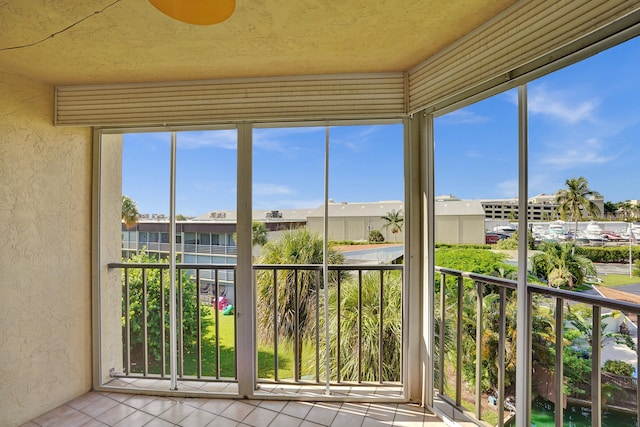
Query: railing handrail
x=336 y=267
x=613 y=304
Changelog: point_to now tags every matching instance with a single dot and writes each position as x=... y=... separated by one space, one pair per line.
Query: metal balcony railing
x=482 y=306
x=145 y=314
x=365 y=323
x=360 y=298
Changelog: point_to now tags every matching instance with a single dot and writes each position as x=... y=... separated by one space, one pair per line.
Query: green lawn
x=226 y=329
x=613 y=280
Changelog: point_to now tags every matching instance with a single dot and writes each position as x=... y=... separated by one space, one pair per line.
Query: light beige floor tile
x=216 y=406
x=94 y=423
x=196 y=402
x=76 y=419
x=347 y=419
x=198 y=418
x=282 y=420
x=382 y=411
x=158 y=406
x=372 y=422
x=99 y=406
x=321 y=415
x=139 y=401
x=177 y=413
x=273 y=405
x=116 y=414
x=120 y=397
x=222 y=422
x=86 y=399
x=159 y=422
x=297 y=409
x=238 y=411
x=59 y=413
x=138 y=418
x=260 y=417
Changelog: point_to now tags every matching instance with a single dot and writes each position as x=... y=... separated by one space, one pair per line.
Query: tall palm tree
x=395 y=221
x=296 y=311
x=130 y=212
x=575 y=200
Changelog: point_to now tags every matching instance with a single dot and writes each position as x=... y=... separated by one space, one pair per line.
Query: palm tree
x=560 y=266
x=297 y=293
x=575 y=200
x=393 y=220
x=360 y=303
x=130 y=212
x=258 y=234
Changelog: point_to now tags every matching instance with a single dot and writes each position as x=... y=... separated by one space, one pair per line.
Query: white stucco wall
x=45 y=254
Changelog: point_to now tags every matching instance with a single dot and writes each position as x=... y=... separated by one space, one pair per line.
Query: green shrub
x=155 y=309
x=608 y=254
x=375 y=236
x=619 y=367
x=636 y=268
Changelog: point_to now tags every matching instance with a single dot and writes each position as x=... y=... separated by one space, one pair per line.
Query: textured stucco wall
x=110 y=230
x=45 y=254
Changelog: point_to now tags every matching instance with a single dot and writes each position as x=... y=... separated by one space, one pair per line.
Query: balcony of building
x=76 y=78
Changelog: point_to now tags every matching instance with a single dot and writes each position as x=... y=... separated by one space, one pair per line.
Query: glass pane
x=145 y=180
x=288 y=191
x=476 y=211
x=206 y=164
x=366 y=178
x=583 y=157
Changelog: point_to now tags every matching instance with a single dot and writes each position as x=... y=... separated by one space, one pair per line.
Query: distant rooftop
x=335 y=209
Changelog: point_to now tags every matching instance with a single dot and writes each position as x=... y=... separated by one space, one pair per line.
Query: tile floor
x=131 y=410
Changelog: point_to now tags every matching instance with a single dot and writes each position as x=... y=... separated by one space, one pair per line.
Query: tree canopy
x=130 y=212
x=394 y=221
x=576 y=200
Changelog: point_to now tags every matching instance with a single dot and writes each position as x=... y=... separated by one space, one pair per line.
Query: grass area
x=226 y=331
x=613 y=280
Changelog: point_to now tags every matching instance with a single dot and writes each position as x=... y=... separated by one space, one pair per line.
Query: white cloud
x=560 y=104
x=583 y=153
x=264 y=189
x=280 y=139
x=226 y=139
x=357 y=139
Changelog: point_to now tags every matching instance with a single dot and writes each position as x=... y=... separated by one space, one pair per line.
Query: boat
x=556 y=231
x=594 y=234
x=632 y=233
x=611 y=235
x=504 y=229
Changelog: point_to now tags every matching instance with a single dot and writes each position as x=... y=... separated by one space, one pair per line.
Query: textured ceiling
x=131 y=41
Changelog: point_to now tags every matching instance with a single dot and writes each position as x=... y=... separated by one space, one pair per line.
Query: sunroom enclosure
x=419 y=350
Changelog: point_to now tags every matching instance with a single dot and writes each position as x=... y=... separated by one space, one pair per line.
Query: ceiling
x=131 y=41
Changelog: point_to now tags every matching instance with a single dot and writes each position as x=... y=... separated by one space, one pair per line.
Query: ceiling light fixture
x=199 y=12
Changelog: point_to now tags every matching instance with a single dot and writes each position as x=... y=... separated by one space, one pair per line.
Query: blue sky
x=584 y=120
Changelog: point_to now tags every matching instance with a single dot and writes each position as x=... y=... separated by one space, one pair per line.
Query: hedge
x=607 y=254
